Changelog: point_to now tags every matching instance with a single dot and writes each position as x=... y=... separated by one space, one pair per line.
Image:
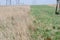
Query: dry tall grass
x=14 y=22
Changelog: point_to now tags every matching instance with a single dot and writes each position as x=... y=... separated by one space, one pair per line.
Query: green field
x=46 y=22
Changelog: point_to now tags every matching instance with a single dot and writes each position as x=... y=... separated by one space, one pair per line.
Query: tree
x=17 y=2
x=34 y=1
x=10 y=2
x=6 y=2
x=57 y=7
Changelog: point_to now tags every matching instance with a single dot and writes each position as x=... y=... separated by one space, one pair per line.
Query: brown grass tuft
x=14 y=21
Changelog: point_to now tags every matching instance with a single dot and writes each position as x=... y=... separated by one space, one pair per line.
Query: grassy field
x=15 y=21
x=46 y=22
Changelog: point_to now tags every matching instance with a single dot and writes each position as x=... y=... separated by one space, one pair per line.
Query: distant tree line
x=10 y=2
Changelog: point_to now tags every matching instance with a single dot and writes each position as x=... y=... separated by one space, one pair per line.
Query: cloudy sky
x=28 y=2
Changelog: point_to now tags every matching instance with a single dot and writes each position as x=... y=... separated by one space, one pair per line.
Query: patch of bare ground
x=14 y=22
x=52 y=5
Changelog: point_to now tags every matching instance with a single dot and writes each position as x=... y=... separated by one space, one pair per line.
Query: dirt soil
x=52 y=5
x=14 y=21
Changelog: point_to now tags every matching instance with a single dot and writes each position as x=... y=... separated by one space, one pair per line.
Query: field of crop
x=29 y=23
x=46 y=23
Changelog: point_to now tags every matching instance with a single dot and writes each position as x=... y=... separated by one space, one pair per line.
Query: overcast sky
x=29 y=2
